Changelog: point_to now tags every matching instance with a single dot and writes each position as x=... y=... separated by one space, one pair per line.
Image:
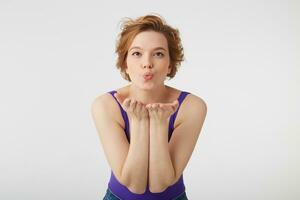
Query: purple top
x=172 y=191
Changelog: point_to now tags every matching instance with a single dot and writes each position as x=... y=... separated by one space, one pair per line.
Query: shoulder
x=105 y=103
x=192 y=107
x=195 y=102
x=101 y=101
x=190 y=101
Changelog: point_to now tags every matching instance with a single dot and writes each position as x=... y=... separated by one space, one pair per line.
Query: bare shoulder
x=196 y=102
x=192 y=106
x=106 y=103
x=102 y=101
x=190 y=101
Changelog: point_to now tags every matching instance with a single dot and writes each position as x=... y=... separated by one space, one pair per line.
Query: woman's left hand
x=162 y=111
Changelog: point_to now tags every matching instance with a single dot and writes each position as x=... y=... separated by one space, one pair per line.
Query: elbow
x=134 y=187
x=157 y=188
x=160 y=186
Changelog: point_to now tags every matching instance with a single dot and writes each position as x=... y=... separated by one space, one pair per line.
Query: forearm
x=135 y=168
x=161 y=171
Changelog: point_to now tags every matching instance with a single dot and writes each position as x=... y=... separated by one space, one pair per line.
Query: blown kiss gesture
x=156 y=111
x=161 y=111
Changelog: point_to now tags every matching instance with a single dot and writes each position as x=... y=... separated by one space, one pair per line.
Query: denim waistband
x=111 y=196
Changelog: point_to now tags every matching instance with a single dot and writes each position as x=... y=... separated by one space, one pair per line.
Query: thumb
x=175 y=102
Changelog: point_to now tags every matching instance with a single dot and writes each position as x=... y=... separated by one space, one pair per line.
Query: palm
x=134 y=108
x=162 y=110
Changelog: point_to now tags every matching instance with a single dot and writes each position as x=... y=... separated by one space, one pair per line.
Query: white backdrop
x=242 y=58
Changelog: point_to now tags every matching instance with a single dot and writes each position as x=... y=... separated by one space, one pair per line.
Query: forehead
x=149 y=40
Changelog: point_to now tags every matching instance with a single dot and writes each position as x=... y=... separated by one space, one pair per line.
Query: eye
x=160 y=54
x=136 y=53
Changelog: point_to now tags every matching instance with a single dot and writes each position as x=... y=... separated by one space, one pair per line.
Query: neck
x=156 y=95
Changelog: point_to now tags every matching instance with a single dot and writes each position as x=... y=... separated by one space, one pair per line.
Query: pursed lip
x=148 y=74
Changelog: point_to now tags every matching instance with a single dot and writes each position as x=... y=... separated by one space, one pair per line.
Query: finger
x=175 y=102
x=155 y=106
x=162 y=106
x=175 y=107
x=149 y=107
x=126 y=103
x=145 y=109
x=139 y=106
x=133 y=104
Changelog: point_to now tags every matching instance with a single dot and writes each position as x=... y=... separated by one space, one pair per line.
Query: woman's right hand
x=135 y=110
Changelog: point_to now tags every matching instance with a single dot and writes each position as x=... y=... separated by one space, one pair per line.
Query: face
x=148 y=60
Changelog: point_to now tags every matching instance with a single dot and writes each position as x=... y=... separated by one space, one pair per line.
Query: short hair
x=131 y=27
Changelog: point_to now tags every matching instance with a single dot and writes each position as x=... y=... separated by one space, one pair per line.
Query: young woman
x=148 y=130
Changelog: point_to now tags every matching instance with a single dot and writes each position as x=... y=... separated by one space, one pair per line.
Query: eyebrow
x=157 y=48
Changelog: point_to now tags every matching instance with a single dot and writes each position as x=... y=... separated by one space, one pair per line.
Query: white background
x=242 y=58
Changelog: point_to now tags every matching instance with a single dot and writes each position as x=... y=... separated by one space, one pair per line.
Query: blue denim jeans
x=110 y=196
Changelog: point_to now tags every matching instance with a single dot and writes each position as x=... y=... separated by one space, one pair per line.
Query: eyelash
x=156 y=53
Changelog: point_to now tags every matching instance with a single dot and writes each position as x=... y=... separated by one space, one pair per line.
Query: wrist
x=139 y=120
x=159 y=122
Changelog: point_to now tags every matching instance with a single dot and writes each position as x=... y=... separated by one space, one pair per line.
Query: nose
x=148 y=66
x=147 y=63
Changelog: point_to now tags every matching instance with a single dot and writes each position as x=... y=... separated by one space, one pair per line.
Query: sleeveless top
x=172 y=191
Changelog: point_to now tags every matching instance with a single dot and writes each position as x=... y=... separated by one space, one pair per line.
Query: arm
x=161 y=170
x=135 y=168
x=168 y=160
x=129 y=163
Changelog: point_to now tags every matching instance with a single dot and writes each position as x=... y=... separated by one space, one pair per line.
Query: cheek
x=166 y=61
x=132 y=69
x=129 y=65
x=131 y=62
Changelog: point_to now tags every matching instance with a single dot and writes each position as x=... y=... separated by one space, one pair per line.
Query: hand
x=135 y=110
x=162 y=111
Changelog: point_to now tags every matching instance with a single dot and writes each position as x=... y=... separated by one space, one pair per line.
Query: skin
x=149 y=52
x=149 y=158
x=146 y=59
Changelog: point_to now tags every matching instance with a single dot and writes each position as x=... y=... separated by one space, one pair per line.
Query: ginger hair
x=131 y=27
